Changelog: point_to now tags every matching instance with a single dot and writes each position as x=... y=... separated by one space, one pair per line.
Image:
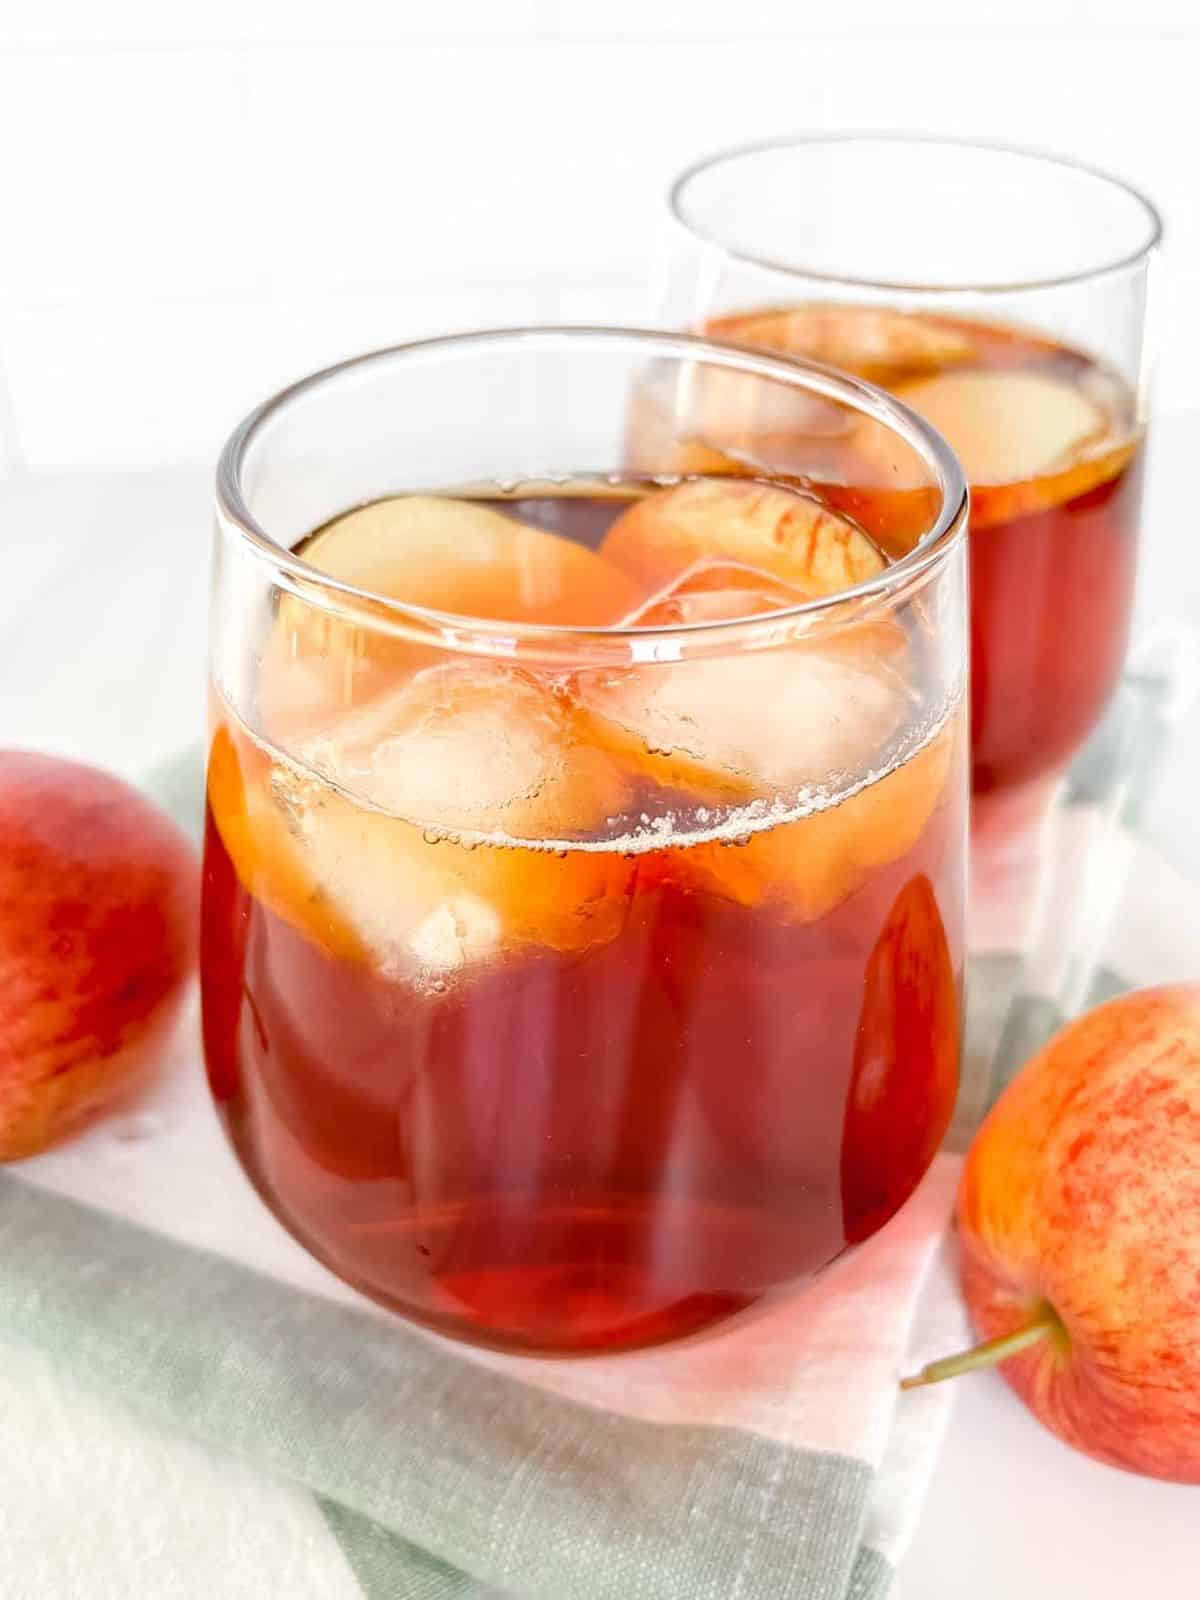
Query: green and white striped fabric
x=774 y=1461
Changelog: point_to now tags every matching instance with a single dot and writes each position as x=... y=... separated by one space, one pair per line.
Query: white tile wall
x=200 y=202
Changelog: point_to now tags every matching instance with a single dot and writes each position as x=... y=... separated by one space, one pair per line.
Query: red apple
x=1079 y=1215
x=98 y=910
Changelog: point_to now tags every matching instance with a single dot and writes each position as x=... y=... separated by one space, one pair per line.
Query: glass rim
x=731 y=153
x=464 y=631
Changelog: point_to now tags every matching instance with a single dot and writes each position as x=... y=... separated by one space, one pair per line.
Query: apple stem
x=989 y=1353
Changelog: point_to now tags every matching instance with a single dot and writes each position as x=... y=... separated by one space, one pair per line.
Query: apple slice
x=806 y=867
x=785 y=533
x=247 y=795
x=467 y=558
x=449 y=555
x=874 y=342
x=1027 y=441
x=1005 y=427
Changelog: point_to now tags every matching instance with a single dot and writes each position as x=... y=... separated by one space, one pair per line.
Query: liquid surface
x=573 y=1011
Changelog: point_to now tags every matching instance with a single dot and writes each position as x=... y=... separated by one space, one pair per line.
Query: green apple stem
x=1044 y=1321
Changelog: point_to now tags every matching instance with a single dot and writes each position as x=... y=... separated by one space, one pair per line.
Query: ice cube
x=752 y=735
x=877 y=343
x=712 y=590
x=747 y=726
x=707 y=418
x=399 y=841
x=750 y=723
x=449 y=555
x=785 y=533
x=1008 y=426
x=403 y=907
x=659 y=442
x=473 y=746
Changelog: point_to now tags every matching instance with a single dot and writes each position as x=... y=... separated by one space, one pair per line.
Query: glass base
x=1008 y=848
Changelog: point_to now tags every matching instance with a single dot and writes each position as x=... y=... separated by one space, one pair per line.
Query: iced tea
x=1050 y=444
x=574 y=1008
x=1001 y=293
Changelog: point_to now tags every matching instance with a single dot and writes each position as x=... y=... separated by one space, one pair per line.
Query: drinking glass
x=583 y=886
x=1002 y=294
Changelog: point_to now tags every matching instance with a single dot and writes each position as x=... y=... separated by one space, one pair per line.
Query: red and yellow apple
x=98 y=911
x=1079 y=1217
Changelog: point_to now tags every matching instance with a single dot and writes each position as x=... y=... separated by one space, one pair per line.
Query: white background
x=198 y=203
x=202 y=200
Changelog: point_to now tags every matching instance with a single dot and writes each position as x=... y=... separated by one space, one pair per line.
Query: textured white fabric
x=96 y=1506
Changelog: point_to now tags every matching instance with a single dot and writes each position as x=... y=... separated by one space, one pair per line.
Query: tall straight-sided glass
x=583 y=885
x=1002 y=294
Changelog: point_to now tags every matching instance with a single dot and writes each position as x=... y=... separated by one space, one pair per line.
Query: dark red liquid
x=1051 y=597
x=603 y=1149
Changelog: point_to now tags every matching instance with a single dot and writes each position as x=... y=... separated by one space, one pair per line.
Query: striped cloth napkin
x=191 y=1406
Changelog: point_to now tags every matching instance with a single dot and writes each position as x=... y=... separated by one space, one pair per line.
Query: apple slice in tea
x=448 y=555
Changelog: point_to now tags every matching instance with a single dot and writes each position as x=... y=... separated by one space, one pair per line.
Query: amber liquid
x=1051 y=600
x=1052 y=551
x=594 y=1148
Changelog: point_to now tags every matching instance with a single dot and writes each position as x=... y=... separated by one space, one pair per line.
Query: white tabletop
x=102 y=628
